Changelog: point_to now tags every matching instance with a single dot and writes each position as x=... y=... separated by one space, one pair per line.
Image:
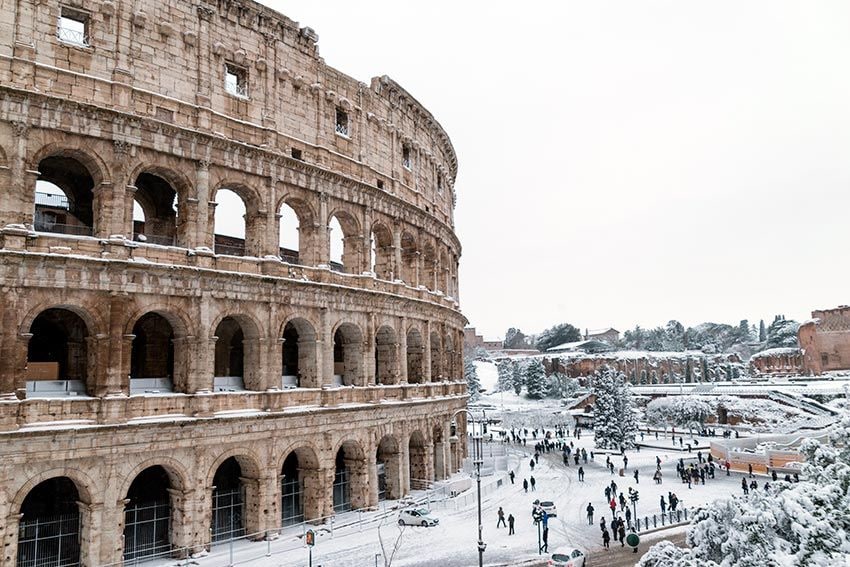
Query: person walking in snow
x=590 y=510
x=581 y=474
x=613 y=505
x=533 y=483
x=501 y=518
x=606 y=538
x=622 y=533
x=636 y=476
x=511 y=474
x=525 y=484
x=663 y=505
x=510 y=524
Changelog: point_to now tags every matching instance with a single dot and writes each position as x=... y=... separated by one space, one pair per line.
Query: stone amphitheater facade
x=162 y=385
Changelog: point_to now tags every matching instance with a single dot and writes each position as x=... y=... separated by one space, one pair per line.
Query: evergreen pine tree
x=472 y=382
x=518 y=376
x=505 y=382
x=762 y=332
x=536 y=386
x=614 y=422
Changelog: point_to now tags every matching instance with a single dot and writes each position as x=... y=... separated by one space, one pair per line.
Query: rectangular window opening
x=405 y=156
x=439 y=184
x=380 y=184
x=236 y=80
x=342 y=127
x=73 y=27
x=296 y=153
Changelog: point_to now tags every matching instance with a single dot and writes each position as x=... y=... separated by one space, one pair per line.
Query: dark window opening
x=342 y=125
x=296 y=154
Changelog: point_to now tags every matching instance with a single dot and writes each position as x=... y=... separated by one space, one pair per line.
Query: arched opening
x=443 y=277
x=290 y=226
x=418 y=457
x=292 y=492
x=64 y=197
x=345 y=245
x=385 y=356
x=382 y=252
x=409 y=260
x=436 y=358
x=230 y=223
x=49 y=529
x=229 y=356
x=348 y=355
x=147 y=516
x=57 y=355
x=350 y=478
x=415 y=357
x=155 y=211
x=228 y=500
x=299 y=354
x=152 y=355
x=387 y=469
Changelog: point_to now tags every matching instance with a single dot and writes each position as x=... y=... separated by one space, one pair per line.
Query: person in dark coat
x=525 y=484
x=606 y=538
x=510 y=524
x=581 y=474
x=501 y=514
x=545 y=547
x=622 y=533
x=511 y=474
x=533 y=483
x=590 y=510
x=663 y=505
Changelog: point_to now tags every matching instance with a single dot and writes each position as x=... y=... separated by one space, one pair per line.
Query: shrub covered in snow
x=679 y=411
x=536 y=385
x=803 y=524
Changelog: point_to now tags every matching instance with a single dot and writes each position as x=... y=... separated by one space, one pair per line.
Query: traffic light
x=634 y=496
x=310 y=538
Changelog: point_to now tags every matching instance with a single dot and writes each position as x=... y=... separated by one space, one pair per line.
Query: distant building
x=825 y=340
x=472 y=340
x=588 y=346
x=609 y=335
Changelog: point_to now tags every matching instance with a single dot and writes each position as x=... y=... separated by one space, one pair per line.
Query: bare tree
x=388 y=557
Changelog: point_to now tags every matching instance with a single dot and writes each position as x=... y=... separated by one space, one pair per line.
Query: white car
x=567 y=557
x=417 y=517
x=549 y=507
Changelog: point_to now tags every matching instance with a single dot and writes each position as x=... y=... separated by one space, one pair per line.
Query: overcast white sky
x=627 y=162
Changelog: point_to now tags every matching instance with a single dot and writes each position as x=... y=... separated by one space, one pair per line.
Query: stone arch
x=419 y=474
x=348 y=354
x=236 y=244
x=436 y=357
x=409 y=269
x=299 y=354
x=351 y=242
x=351 y=478
x=85 y=486
x=234 y=495
x=382 y=253
x=61 y=355
x=386 y=356
x=301 y=485
x=162 y=194
x=388 y=468
x=153 y=513
x=415 y=356
x=237 y=353
x=429 y=267
x=78 y=175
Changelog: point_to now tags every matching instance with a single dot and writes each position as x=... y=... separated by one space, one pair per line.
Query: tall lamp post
x=477 y=460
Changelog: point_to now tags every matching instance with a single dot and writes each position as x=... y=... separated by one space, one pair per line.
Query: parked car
x=546 y=506
x=417 y=517
x=567 y=557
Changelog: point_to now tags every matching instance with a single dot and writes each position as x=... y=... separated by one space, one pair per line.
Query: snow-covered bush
x=679 y=411
x=614 y=423
x=506 y=376
x=804 y=524
x=561 y=386
x=472 y=382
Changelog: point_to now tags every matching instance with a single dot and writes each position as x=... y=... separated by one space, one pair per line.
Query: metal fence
x=52 y=541
x=146 y=530
x=670 y=518
x=228 y=515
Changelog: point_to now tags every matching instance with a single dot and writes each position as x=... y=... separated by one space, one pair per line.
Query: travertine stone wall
x=143 y=94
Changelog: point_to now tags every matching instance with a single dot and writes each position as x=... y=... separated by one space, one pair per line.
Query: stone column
x=321 y=235
x=372 y=477
x=401 y=353
x=325 y=491
x=17 y=201
x=426 y=360
x=10 y=343
x=92 y=534
x=118 y=359
x=397 y=266
x=324 y=348
x=404 y=472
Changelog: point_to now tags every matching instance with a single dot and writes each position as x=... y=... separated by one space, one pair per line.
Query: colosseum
x=229 y=282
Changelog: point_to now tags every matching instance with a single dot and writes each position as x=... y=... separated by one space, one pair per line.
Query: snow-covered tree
x=518 y=376
x=472 y=382
x=804 y=524
x=762 y=331
x=680 y=411
x=561 y=386
x=782 y=333
x=505 y=382
x=536 y=386
x=557 y=335
x=614 y=423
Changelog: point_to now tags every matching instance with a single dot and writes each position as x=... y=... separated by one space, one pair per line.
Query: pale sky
x=627 y=162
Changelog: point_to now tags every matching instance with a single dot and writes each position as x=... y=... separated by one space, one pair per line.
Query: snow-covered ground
x=453 y=543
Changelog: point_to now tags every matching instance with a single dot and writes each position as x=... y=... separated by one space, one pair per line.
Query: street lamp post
x=477 y=460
